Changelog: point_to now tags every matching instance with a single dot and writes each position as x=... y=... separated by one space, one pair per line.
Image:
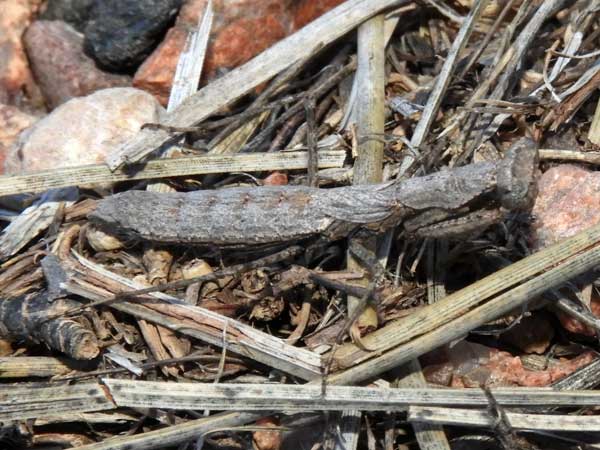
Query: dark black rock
x=122 y=33
x=74 y=12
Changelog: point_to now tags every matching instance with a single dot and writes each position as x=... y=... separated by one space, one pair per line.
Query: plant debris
x=331 y=246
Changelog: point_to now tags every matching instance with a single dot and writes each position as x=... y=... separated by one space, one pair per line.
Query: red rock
x=467 y=364
x=567 y=203
x=309 y=10
x=227 y=11
x=267 y=440
x=63 y=71
x=16 y=80
x=243 y=39
x=276 y=179
x=83 y=130
x=12 y=122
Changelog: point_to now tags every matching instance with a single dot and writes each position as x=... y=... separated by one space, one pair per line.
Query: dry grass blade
x=189 y=66
x=164 y=168
x=570 y=155
x=22 y=402
x=370 y=107
x=112 y=417
x=529 y=422
x=349 y=117
x=370 y=102
x=35 y=366
x=250 y=397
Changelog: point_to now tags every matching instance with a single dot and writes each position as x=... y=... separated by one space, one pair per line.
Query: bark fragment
x=27 y=318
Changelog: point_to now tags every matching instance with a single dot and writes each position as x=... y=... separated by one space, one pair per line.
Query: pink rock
x=16 y=80
x=276 y=179
x=244 y=38
x=12 y=122
x=308 y=10
x=567 y=203
x=83 y=130
x=62 y=70
x=241 y=30
x=468 y=364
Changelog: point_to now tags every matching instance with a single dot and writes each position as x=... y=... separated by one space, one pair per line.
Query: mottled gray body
x=278 y=214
